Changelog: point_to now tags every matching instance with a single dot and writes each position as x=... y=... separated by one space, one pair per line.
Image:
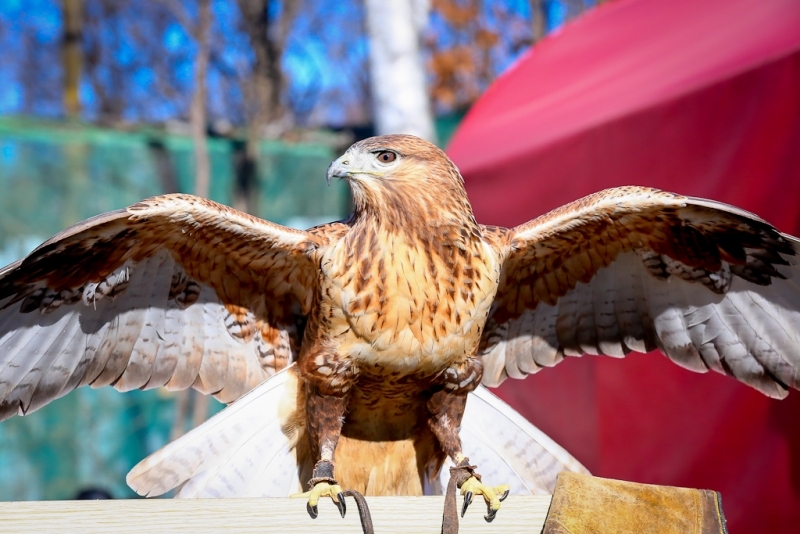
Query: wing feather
x=191 y=347
x=670 y=327
x=70 y=362
x=98 y=342
x=44 y=380
x=586 y=330
x=119 y=346
x=23 y=374
x=166 y=362
x=515 y=356
x=146 y=344
x=214 y=365
x=607 y=329
x=545 y=340
x=30 y=341
x=625 y=286
x=710 y=285
x=167 y=292
x=567 y=324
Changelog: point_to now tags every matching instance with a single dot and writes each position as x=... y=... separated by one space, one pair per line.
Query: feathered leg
x=446 y=407
x=324 y=419
x=329 y=380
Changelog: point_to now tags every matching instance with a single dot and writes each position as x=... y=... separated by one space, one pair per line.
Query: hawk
x=387 y=323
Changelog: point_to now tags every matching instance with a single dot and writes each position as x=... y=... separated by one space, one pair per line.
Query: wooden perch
x=389 y=514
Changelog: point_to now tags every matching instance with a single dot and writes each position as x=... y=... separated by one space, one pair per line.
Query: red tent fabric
x=697 y=97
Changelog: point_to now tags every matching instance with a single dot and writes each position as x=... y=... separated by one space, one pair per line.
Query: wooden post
x=391 y=515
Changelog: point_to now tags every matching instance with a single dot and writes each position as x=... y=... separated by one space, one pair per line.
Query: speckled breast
x=402 y=307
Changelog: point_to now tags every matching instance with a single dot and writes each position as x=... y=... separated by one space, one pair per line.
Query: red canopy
x=697 y=97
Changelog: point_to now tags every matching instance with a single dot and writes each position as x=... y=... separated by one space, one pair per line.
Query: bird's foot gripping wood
x=324 y=485
x=492 y=495
x=464 y=477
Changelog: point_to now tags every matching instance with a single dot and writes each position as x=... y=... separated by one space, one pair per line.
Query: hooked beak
x=338 y=169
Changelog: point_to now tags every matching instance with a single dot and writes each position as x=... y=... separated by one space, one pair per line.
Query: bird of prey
x=391 y=320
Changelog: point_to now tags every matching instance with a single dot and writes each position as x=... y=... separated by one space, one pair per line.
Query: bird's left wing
x=635 y=269
x=174 y=291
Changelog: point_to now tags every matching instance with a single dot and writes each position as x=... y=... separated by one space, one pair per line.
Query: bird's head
x=401 y=173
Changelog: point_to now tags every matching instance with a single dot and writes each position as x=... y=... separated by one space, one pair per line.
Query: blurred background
x=106 y=102
x=539 y=102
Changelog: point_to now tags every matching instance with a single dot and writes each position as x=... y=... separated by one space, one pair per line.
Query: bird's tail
x=246 y=450
x=250 y=449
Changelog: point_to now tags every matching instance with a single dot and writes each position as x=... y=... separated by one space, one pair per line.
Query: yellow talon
x=492 y=495
x=322 y=489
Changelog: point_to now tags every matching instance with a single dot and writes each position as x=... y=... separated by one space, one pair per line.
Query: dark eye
x=386 y=156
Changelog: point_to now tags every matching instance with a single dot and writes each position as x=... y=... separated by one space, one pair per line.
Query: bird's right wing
x=174 y=291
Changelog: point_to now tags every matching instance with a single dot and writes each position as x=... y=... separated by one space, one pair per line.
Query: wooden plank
x=390 y=515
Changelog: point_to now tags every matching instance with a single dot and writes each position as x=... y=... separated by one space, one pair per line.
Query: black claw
x=489 y=517
x=313 y=511
x=340 y=504
x=467 y=502
x=504 y=495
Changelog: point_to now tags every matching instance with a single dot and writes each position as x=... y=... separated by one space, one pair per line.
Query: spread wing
x=635 y=269
x=174 y=291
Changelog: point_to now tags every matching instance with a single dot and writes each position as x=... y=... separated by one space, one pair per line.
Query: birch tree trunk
x=399 y=93
x=202 y=177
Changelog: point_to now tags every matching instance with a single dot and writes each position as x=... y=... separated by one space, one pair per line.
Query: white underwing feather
x=169 y=348
x=49 y=374
x=545 y=341
x=127 y=332
x=145 y=349
x=751 y=332
x=192 y=343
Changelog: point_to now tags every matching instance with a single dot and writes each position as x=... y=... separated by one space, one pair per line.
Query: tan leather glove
x=587 y=505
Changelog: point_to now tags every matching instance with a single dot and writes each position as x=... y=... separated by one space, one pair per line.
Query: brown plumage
x=394 y=315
